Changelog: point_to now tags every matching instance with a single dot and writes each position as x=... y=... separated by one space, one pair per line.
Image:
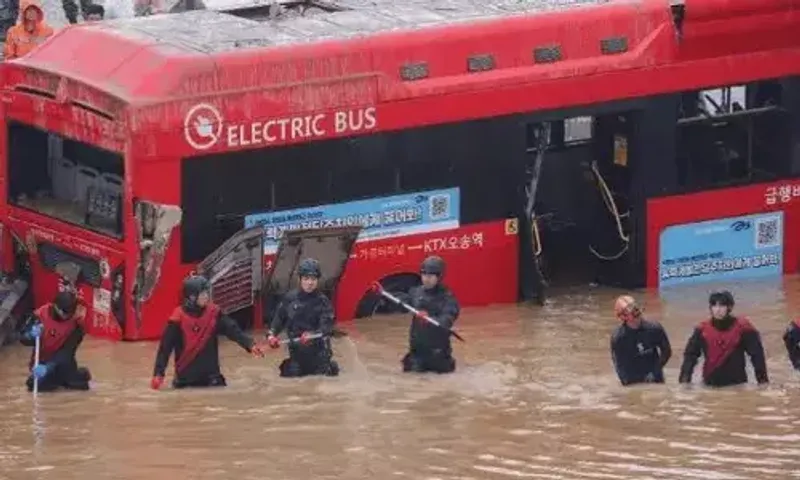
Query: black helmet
x=309 y=268
x=66 y=303
x=432 y=265
x=721 y=297
x=192 y=287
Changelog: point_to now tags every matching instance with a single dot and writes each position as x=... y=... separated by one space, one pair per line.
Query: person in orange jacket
x=30 y=31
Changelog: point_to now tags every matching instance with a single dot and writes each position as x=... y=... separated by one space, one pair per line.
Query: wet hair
x=94 y=9
x=66 y=303
x=722 y=297
x=433 y=265
x=309 y=267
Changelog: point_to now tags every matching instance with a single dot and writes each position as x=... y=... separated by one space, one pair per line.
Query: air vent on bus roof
x=92 y=109
x=414 y=71
x=547 y=54
x=27 y=89
x=480 y=63
x=614 y=45
x=39 y=92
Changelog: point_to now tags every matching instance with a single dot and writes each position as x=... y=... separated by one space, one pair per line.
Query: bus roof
x=209 y=31
x=119 y=56
x=372 y=51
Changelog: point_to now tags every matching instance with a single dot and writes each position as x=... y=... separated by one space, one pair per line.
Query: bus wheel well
x=397 y=284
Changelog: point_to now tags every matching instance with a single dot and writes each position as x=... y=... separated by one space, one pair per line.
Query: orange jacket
x=26 y=35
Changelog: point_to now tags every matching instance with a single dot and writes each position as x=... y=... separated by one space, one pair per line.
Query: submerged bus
x=527 y=144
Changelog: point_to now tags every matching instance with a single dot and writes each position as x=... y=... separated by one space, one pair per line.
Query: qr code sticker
x=768 y=232
x=439 y=207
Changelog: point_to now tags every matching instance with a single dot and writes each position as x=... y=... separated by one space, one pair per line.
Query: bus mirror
x=155 y=223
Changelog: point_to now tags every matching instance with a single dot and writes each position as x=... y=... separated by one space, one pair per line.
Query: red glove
x=156 y=382
x=304 y=338
x=256 y=350
x=421 y=316
x=273 y=341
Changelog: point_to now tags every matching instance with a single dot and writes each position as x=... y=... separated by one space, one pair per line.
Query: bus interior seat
x=64 y=179
x=86 y=178
x=111 y=182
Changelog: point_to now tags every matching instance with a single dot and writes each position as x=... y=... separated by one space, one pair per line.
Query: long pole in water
x=380 y=291
x=313 y=336
x=36 y=349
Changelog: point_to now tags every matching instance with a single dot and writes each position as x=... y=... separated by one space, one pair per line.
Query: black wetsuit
x=791 y=338
x=723 y=344
x=301 y=312
x=203 y=369
x=429 y=346
x=64 y=371
x=640 y=354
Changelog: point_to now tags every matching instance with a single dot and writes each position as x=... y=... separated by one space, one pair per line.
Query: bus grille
x=51 y=255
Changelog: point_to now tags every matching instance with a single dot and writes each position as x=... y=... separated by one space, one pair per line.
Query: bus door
x=331 y=247
x=609 y=168
x=236 y=273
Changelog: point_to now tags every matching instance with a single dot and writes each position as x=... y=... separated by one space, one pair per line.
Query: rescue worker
x=30 y=31
x=303 y=312
x=639 y=348
x=59 y=325
x=791 y=338
x=429 y=345
x=191 y=332
x=723 y=340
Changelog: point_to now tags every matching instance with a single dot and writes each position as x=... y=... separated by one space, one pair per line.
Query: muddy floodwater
x=534 y=397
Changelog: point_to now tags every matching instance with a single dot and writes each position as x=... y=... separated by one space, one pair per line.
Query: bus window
x=733 y=134
x=300 y=177
x=65 y=179
x=362 y=168
x=475 y=156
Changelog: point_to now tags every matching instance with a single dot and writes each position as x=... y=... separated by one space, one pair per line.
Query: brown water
x=534 y=397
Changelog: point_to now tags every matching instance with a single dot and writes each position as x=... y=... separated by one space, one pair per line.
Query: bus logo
x=202 y=126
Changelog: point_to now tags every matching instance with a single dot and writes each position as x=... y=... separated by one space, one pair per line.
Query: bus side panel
x=482 y=265
x=783 y=195
x=155 y=181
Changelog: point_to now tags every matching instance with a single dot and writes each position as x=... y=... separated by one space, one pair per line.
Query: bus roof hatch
x=235 y=269
x=331 y=247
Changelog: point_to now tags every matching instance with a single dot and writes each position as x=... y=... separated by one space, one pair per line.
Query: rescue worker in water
x=791 y=339
x=60 y=327
x=191 y=332
x=429 y=345
x=723 y=340
x=304 y=312
x=639 y=348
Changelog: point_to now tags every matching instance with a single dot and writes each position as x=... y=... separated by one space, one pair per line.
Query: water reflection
x=534 y=397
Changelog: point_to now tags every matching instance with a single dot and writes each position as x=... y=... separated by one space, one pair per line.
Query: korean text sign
x=383 y=217
x=723 y=249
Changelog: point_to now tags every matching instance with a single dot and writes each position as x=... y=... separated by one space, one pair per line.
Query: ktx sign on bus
x=203 y=127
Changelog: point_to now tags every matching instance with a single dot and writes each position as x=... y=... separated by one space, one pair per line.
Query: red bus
x=527 y=144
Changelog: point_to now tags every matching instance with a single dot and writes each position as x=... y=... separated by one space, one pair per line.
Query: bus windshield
x=65 y=179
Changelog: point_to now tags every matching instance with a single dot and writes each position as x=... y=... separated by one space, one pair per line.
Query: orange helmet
x=625 y=307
